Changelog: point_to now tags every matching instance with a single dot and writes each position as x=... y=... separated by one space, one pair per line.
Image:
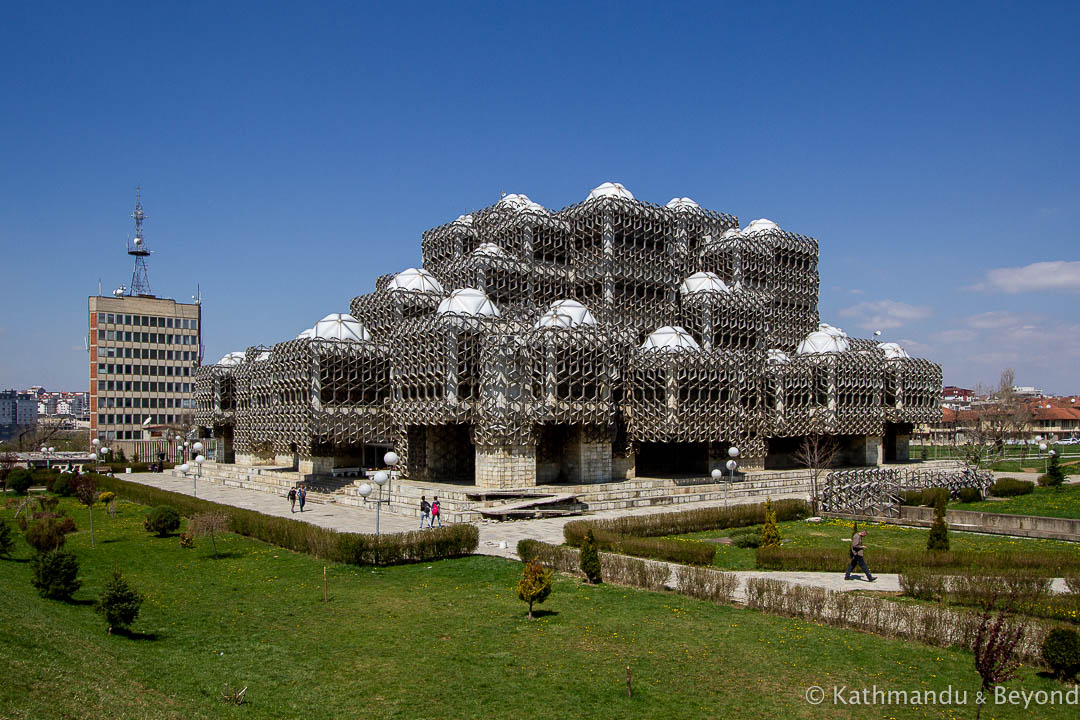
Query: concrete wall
x=989 y=523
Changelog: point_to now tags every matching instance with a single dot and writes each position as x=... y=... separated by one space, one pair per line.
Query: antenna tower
x=140 y=276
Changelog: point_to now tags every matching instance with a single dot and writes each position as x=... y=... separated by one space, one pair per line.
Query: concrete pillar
x=587 y=461
x=316 y=465
x=872 y=447
x=903 y=448
x=507 y=466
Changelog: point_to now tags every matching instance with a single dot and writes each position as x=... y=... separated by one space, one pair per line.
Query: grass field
x=1063 y=502
x=446 y=640
x=837 y=533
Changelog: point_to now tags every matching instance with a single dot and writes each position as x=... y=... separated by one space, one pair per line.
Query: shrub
x=7 y=541
x=106 y=497
x=770 y=534
x=187 y=540
x=209 y=523
x=162 y=520
x=119 y=603
x=922 y=585
x=1061 y=651
x=353 y=548
x=61 y=485
x=560 y=557
x=938 y=538
x=590 y=559
x=20 y=480
x=687 y=521
x=1010 y=487
x=746 y=538
x=534 y=585
x=706 y=584
x=969 y=495
x=635 y=572
x=687 y=552
x=55 y=574
x=927 y=497
x=1054 y=475
x=46 y=534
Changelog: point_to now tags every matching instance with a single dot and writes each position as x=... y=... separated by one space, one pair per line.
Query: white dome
x=415 y=280
x=831 y=330
x=703 y=282
x=893 y=350
x=566 y=313
x=730 y=233
x=683 y=203
x=671 y=339
x=463 y=220
x=610 y=189
x=760 y=225
x=264 y=355
x=341 y=326
x=233 y=358
x=822 y=342
x=309 y=333
x=778 y=357
x=521 y=203
x=469 y=302
x=488 y=250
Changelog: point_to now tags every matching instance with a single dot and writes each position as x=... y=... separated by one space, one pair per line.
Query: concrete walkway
x=496 y=538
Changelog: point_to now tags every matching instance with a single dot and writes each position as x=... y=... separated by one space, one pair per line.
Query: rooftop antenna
x=140 y=276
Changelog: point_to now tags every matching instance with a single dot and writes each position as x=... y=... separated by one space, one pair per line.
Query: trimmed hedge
x=926 y=498
x=353 y=548
x=1010 y=487
x=899 y=561
x=687 y=521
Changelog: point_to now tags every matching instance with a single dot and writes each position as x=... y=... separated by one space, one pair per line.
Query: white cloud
x=1061 y=275
x=884 y=314
x=993 y=320
x=953 y=337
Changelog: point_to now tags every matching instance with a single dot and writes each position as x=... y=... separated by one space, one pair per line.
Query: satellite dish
x=138 y=241
x=119 y=292
x=147 y=420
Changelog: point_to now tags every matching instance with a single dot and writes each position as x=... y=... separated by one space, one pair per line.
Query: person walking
x=292 y=499
x=436 y=513
x=425 y=512
x=301 y=495
x=857 y=549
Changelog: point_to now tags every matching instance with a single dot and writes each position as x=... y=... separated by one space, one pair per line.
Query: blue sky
x=290 y=153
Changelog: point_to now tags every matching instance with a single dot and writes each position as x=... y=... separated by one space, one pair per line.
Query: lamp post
x=716 y=475
x=391 y=459
x=365 y=491
x=379 y=479
x=199 y=460
x=1046 y=463
x=1042 y=449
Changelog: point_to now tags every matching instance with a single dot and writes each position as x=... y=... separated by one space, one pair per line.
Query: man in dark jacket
x=857 y=549
x=425 y=512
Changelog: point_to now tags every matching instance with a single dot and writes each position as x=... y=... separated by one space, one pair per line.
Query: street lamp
x=379 y=479
x=199 y=460
x=365 y=490
x=45 y=452
x=391 y=459
x=717 y=473
x=1046 y=463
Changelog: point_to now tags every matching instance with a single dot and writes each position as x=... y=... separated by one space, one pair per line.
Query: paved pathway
x=496 y=538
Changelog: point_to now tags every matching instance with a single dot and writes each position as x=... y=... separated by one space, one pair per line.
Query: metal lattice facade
x=588 y=334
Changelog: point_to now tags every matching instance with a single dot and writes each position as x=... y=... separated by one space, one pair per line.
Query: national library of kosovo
x=611 y=339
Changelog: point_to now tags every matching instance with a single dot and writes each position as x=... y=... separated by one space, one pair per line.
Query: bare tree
x=8 y=461
x=209 y=523
x=987 y=428
x=995 y=650
x=86 y=493
x=818 y=453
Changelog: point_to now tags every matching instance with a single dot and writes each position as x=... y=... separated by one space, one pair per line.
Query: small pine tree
x=55 y=574
x=1054 y=474
x=534 y=585
x=7 y=542
x=590 y=559
x=770 y=534
x=939 y=531
x=119 y=602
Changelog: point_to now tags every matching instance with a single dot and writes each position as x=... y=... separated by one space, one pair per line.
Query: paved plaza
x=499 y=539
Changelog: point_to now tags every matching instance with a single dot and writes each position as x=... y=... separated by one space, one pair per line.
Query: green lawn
x=446 y=640
x=837 y=533
x=1063 y=502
